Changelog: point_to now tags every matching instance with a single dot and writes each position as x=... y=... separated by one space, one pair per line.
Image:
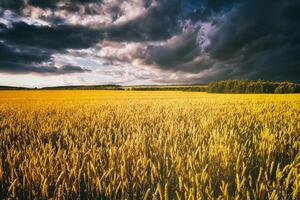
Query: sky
x=142 y=42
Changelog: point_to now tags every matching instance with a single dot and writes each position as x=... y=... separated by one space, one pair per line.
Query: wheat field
x=148 y=145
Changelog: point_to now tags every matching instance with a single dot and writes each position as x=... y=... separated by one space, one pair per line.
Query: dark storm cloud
x=179 y=54
x=15 y=60
x=217 y=39
x=26 y=47
x=207 y=9
x=56 y=37
x=260 y=39
x=13 y=5
x=158 y=23
x=184 y=51
x=43 y=3
x=162 y=21
x=252 y=39
x=22 y=55
x=21 y=68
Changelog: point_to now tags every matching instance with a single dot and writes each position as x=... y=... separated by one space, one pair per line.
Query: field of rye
x=149 y=145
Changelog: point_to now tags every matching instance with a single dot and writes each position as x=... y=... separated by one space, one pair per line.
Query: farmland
x=149 y=145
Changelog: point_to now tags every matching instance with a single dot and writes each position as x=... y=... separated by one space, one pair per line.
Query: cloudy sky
x=71 y=42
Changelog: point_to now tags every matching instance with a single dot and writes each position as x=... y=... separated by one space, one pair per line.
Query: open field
x=149 y=145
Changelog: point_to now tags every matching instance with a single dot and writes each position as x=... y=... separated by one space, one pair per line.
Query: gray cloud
x=180 y=53
x=20 y=68
x=260 y=39
x=23 y=60
x=59 y=37
x=253 y=40
x=158 y=23
x=199 y=40
x=18 y=5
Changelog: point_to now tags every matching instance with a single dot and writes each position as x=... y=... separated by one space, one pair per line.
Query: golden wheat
x=148 y=145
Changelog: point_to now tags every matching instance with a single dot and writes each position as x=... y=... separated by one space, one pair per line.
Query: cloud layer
x=159 y=41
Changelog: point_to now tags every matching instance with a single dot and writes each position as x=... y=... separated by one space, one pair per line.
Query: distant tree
x=279 y=90
x=290 y=89
x=259 y=88
x=242 y=86
x=250 y=88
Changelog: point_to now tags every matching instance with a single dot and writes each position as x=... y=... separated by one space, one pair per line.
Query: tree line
x=169 y=88
x=245 y=86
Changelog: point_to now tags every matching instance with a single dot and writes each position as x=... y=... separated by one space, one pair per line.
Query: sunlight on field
x=149 y=145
